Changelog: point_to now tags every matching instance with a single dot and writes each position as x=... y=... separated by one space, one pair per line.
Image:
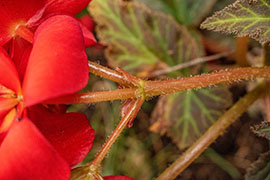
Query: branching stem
x=128 y=116
x=155 y=88
x=107 y=73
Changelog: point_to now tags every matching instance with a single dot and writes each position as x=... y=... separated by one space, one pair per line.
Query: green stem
x=213 y=133
x=222 y=163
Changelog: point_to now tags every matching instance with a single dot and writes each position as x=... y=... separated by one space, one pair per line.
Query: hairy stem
x=93 y=97
x=108 y=73
x=155 y=88
x=126 y=118
x=213 y=133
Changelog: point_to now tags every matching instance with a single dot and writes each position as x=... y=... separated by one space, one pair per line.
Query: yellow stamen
x=8 y=120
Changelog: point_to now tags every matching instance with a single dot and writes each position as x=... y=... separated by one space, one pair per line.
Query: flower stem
x=108 y=73
x=93 y=97
x=128 y=116
x=155 y=88
x=213 y=133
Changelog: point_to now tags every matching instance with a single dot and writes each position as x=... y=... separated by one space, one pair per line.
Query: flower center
x=12 y=104
x=20 y=29
x=6 y=93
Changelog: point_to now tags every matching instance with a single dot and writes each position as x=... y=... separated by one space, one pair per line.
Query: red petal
x=2 y=137
x=89 y=38
x=70 y=134
x=58 y=64
x=26 y=154
x=65 y=6
x=14 y=12
x=8 y=73
x=20 y=55
x=117 y=177
x=88 y=22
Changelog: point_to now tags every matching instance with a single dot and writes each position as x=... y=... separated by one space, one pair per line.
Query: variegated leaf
x=187 y=115
x=138 y=38
x=262 y=130
x=244 y=17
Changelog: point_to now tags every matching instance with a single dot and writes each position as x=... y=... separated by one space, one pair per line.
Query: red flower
x=19 y=17
x=34 y=143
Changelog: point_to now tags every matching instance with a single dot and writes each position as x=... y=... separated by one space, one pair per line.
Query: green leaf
x=138 y=38
x=260 y=169
x=198 y=9
x=176 y=8
x=187 y=12
x=187 y=115
x=262 y=130
x=156 y=5
x=244 y=17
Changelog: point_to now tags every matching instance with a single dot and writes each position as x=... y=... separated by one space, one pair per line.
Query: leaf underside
x=243 y=18
x=260 y=169
x=187 y=115
x=138 y=38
